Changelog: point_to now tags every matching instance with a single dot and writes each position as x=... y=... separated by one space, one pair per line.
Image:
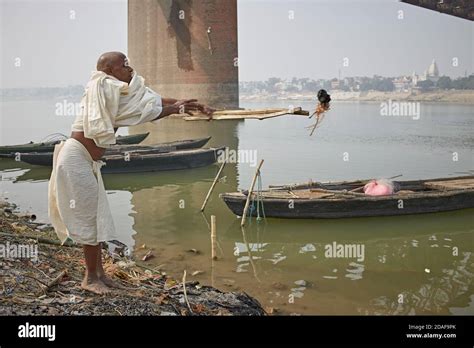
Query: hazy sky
x=58 y=42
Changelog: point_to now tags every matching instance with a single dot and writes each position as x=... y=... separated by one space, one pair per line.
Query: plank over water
x=257 y=114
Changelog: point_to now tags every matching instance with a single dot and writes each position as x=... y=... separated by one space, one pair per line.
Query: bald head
x=109 y=59
x=115 y=64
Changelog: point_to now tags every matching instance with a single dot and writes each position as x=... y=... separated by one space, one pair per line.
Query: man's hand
x=187 y=106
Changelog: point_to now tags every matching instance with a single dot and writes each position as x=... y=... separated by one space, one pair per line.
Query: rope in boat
x=54 y=137
x=260 y=197
x=259 y=201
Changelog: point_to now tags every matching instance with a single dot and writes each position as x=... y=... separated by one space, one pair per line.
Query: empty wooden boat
x=335 y=200
x=46 y=158
x=48 y=146
x=131 y=139
x=156 y=162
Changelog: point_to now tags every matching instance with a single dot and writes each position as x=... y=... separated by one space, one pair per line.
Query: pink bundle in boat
x=380 y=187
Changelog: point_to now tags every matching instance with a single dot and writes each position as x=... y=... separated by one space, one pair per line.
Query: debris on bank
x=50 y=285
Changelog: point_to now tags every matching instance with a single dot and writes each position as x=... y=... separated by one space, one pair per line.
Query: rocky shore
x=48 y=282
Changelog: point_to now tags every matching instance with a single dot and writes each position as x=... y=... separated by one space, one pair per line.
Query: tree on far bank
x=425 y=85
x=444 y=82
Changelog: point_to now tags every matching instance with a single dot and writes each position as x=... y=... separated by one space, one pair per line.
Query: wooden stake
x=249 y=195
x=213 y=237
x=213 y=185
x=184 y=290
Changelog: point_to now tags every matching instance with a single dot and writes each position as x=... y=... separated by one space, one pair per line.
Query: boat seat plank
x=451 y=184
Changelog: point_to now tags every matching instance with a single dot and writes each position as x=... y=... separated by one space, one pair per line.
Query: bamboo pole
x=212 y=274
x=213 y=237
x=213 y=185
x=249 y=195
x=260 y=114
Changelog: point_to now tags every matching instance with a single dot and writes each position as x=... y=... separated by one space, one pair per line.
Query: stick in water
x=184 y=290
x=213 y=237
x=247 y=202
x=212 y=186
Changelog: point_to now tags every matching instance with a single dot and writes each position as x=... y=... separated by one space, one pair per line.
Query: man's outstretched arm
x=174 y=106
x=168 y=101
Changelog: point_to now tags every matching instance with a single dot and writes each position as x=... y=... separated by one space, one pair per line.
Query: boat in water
x=137 y=162
x=341 y=199
x=46 y=158
x=48 y=146
x=157 y=162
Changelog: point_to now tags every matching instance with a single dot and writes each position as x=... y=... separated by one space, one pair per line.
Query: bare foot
x=111 y=283
x=95 y=286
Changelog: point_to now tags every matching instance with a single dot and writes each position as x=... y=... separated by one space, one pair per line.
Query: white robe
x=78 y=206
x=108 y=103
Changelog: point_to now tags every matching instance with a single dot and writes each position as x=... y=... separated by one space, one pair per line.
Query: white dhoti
x=78 y=206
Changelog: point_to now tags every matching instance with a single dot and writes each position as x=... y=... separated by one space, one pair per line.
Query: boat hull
x=11 y=150
x=46 y=159
x=178 y=160
x=131 y=139
x=427 y=201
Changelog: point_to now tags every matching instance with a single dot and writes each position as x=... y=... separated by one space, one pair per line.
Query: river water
x=411 y=265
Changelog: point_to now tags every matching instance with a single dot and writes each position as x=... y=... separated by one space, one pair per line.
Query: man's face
x=122 y=70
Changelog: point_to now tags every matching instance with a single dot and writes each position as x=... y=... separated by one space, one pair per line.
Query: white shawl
x=109 y=103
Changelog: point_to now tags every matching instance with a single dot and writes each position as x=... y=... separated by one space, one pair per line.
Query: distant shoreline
x=451 y=96
x=445 y=96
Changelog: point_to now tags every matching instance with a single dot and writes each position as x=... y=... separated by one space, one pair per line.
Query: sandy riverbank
x=51 y=284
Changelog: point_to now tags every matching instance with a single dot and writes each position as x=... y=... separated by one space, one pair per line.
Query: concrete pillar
x=186 y=48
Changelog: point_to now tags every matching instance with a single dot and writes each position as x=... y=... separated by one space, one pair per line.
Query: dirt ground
x=50 y=284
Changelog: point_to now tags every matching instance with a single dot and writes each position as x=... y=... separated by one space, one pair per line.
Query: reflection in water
x=412 y=264
x=248 y=249
x=452 y=288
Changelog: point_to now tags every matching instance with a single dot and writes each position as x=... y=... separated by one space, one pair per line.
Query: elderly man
x=114 y=97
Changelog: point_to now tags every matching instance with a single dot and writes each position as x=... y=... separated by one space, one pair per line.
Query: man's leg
x=101 y=274
x=91 y=280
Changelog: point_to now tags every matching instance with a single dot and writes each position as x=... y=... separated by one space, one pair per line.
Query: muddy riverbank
x=40 y=277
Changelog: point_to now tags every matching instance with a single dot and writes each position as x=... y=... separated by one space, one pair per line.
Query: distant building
x=414 y=79
x=432 y=74
x=403 y=83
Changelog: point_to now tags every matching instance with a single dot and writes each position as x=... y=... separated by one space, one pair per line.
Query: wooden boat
x=131 y=139
x=338 y=199
x=46 y=158
x=138 y=162
x=48 y=146
x=157 y=162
